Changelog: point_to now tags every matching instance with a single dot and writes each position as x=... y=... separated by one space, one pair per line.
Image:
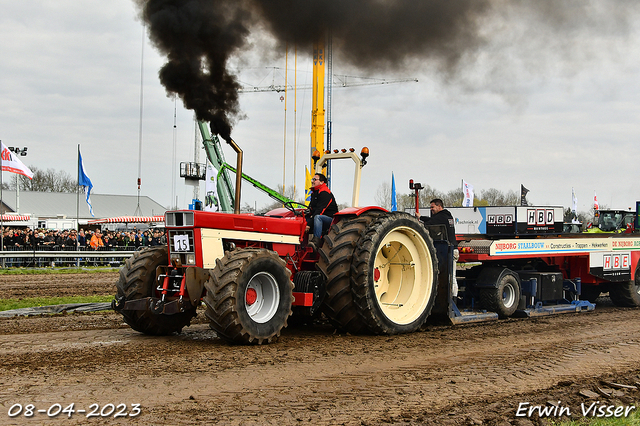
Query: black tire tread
x=335 y=258
x=624 y=294
x=491 y=299
x=220 y=298
x=136 y=281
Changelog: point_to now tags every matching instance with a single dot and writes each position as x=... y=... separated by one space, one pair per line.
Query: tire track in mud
x=312 y=375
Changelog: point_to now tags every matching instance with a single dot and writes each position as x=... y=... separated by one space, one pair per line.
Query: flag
x=467 y=190
x=307 y=186
x=523 y=195
x=596 y=206
x=211 y=203
x=574 y=202
x=11 y=163
x=84 y=181
x=394 y=200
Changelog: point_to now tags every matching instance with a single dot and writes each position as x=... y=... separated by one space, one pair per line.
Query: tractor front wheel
x=249 y=296
x=137 y=281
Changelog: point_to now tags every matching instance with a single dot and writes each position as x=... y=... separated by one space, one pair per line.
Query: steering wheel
x=290 y=205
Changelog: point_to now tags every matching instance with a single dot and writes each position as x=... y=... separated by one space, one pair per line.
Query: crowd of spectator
x=14 y=239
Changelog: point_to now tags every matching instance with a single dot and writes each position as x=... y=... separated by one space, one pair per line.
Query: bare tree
x=495 y=197
x=383 y=196
x=289 y=193
x=48 y=180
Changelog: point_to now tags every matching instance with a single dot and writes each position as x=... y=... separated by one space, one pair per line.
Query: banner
x=523 y=195
x=84 y=181
x=211 y=203
x=467 y=190
x=11 y=163
x=574 y=202
x=394 y=199
x=596 y=206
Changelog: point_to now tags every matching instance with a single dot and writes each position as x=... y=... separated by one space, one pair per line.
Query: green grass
x=30 y=302
x=45 y=271
x=632 y=420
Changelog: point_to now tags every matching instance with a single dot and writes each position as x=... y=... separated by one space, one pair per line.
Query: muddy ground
x=478 y=374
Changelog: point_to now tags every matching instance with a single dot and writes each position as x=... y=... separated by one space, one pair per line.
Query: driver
x=321 y=209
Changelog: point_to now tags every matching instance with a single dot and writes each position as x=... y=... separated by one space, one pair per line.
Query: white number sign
x=181 y=243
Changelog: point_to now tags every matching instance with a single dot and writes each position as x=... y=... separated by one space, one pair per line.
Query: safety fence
x=52 y=258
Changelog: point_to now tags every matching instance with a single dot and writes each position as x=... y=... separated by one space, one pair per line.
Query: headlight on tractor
x=191 y=259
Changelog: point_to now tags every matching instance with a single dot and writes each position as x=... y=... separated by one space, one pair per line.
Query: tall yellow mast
x=317 y=105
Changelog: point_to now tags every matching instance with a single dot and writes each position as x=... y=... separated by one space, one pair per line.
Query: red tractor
x=375 y=271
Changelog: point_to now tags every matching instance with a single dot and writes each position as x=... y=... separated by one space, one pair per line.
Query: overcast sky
x=550 y=107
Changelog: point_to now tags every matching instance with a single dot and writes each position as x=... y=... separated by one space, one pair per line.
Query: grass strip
x=632 y=420
x=46 y=271
x=30 y=302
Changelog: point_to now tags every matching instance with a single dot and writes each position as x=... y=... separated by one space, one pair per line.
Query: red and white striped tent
x=15 y=218
x=129 y=219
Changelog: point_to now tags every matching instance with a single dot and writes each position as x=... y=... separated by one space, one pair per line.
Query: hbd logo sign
x=540 y=217
x=500 y=219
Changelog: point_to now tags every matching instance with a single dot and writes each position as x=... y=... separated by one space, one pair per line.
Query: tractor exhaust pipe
x=236 y=148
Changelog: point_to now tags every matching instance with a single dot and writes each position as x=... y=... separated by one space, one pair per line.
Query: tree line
x=453 y=198
x=48 y=180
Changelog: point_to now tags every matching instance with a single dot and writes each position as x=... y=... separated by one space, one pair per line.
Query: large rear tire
x=505 y=297
x=249 y=296
x=626 y=294
x=394 y=275
x=336 y=255
x=137 y=281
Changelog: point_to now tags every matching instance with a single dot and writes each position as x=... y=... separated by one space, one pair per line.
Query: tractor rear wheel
x=335 y=262
x=249 y=296
x=394 y=275
x=626 y=294
x=137 y=281
x=504 y=298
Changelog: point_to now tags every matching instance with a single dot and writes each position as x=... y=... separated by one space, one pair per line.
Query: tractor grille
x=181 y=245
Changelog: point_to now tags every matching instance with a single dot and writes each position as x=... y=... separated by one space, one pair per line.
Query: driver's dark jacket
x=443 y=217
x=322 y=202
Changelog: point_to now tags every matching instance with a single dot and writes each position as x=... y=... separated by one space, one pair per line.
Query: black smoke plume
x=200 y=36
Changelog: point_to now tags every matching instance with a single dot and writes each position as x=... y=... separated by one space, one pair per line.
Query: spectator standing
x=96 y=241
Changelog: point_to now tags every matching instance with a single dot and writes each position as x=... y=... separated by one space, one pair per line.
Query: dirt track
x=473 y=374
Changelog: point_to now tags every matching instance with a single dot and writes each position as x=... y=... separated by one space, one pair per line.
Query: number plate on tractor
x=181 y=243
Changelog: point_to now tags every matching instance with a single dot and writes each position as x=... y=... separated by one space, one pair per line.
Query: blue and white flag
x=394 y=199
x=84 y=181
